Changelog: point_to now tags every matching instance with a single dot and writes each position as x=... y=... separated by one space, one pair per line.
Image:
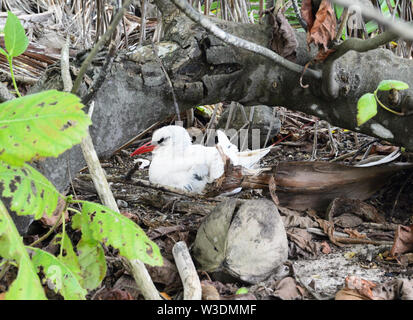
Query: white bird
x=178 y=163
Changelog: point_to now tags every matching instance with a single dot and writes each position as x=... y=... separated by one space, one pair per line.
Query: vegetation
x=45 y=125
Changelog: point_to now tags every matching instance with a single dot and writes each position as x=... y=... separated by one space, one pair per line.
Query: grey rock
x=244 y=241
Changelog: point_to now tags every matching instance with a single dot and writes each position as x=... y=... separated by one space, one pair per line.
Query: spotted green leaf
x=68 y=257
x=88 y=264
x=59 y=275
x=14 y=36
x=92 y=263
x=44 y=124
x=366 y=108
x=387 y=85
x=111 y=228
x=27 y=284
x=27 y=190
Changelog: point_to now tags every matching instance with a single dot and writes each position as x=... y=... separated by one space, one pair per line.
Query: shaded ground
x=317 y=268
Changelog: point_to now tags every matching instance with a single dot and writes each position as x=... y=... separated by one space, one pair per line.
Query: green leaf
x=366 y=108
x=27 y=285
x=92 y=263
x=111 y=228
x=91 y=256
x=339 y=10
x=242 y=290
x=59 y=274
x=4 y=53
x=40 y=125
x=68 y=257
x=371 y=26
x=29 y=192
x=387 y=85
x=14 y=36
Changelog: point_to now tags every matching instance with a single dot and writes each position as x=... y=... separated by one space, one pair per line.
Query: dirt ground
x=315 y=270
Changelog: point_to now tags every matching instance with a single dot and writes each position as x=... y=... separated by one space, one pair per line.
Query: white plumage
x=178 y=163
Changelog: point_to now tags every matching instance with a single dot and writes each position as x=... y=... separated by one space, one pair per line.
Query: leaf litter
x=320 y=262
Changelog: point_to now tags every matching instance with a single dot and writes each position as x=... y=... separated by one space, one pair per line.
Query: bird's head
x=166 y=139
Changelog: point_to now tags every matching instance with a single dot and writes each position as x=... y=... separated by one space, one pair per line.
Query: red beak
x=147 y=147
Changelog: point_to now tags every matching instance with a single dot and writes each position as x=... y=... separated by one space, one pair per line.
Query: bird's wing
x=228 y=148
x=248 y=159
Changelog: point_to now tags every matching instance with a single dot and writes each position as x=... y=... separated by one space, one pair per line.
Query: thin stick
x=187 y=272
x=314 y=153
x=64 y=65
x=100 y=182
x=142 y=279
x=333 y=143
x=343 y=24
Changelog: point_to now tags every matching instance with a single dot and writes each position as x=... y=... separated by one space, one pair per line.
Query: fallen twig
x=187 y=272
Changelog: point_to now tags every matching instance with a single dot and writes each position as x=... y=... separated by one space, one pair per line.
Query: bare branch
x=361 y=45
x=241 y=43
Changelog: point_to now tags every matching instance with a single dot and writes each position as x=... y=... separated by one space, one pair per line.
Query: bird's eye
x=161 y=140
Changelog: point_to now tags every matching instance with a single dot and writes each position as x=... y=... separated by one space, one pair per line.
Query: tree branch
x=241 y=43
x=361 y=45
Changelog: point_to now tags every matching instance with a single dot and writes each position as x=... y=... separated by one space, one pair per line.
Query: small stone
x=122 y=203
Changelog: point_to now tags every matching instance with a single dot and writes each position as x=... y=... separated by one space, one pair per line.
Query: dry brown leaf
x=403 y=240
x=130 y=216
x=166 y=274
x=322 y=55
x=209 y=292
x=303 y=240
x=296 y=220
x=362 y=286
x=325 y=247
x=288 y=289
x=359 y=289
x=324 y=27
x=283 y=39
x=272 y=186
x=307 y=13
x=380 y=149
x=349 y=294
x=50 y=221
x=365 y=211
x=114 y=294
